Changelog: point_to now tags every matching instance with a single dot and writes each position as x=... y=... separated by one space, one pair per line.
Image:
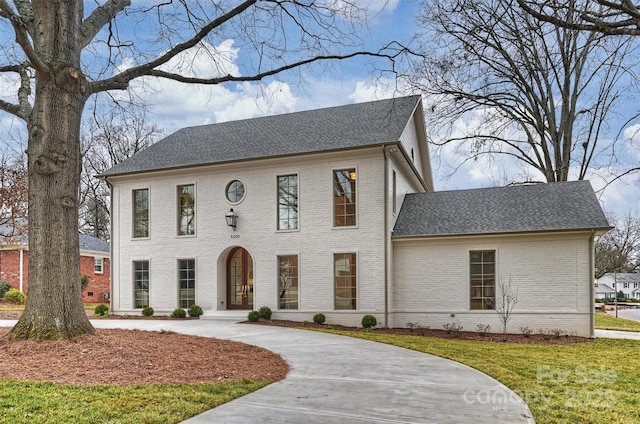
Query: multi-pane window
x=344 y=265
x=288 y=202
x=344 y=200
x=141 y=283
x=483 y=279
x=186 y=282
x=141 y=212
x=98 y=265
x=186 y=210
x=288 y=282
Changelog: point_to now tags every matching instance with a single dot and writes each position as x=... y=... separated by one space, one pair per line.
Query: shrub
x=254 y=316
x=101 y=310
x=369 y=321
x=195 y=311
x=147 y=311
x=482 y=329
x=84 y=281
x=265 y=312
x=319 y=318
x=4 y=287
x=526 y=331
x=14 y=296
x=452 y=328
x=178 y=313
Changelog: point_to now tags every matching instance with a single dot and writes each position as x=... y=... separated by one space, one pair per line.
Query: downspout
x=110 y=244
x=386 y=232
x=592 y=295
x=21 y=269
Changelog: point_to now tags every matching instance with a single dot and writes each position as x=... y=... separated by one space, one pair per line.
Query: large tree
x=613 y=18
x=62 y=54
x=528 y=90
x=619 y=249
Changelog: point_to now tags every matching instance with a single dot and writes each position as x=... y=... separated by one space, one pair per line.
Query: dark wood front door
x=239 y=280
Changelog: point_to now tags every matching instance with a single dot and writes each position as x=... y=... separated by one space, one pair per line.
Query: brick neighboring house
x=94 y=262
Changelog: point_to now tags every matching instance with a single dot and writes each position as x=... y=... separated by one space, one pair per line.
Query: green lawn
x=591 y=382
x=23 y=402
x=605 y=321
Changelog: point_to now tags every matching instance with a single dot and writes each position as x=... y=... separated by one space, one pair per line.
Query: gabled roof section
x=563 y=206
x=87 y=242
x=321 y=130
x=623 y=277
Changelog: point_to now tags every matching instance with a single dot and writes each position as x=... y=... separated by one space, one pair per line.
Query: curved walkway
x=337 y=379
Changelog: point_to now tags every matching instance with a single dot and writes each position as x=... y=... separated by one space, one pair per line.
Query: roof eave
x=598 y=231
x=233 y=161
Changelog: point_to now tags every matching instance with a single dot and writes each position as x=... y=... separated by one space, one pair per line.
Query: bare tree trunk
x=54 y=307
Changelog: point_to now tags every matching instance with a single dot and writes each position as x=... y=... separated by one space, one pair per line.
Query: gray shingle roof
x=87 y=242
x=527 y=208
x=329 y=129
x=92 y=243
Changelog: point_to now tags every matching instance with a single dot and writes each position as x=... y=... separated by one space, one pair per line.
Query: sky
x=173 y=105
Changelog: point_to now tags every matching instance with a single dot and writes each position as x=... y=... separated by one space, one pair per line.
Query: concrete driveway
x=336 y=379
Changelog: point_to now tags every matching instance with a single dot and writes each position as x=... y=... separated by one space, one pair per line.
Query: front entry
x=239 y=279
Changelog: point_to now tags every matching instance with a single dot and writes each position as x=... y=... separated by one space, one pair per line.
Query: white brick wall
x=315 y=242
x=550 y=272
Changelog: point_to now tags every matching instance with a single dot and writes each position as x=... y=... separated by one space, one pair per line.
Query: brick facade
x=98 y=282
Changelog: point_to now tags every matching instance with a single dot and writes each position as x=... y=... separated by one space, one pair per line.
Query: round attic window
x=235 y=191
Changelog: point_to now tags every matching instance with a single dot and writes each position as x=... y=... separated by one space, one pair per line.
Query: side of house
x=457 y=253
x=94 y=263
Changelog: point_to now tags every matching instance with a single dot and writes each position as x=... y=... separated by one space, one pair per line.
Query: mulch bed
x=428 y=332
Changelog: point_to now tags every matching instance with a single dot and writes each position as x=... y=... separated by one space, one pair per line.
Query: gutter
x=592 y=323
x=106 y=180
x=386 y=233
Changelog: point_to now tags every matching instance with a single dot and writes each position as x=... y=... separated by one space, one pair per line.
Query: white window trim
x=133 y=220
x=285 y=174
x=95 y=260
x=195 y=210
x=333 y=205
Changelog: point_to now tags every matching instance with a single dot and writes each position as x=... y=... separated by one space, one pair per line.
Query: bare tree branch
x=611 y=18
x=20 y=25
x=101 y=16
x=532 y=91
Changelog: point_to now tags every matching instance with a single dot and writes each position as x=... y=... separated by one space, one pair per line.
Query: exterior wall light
x=232 y=218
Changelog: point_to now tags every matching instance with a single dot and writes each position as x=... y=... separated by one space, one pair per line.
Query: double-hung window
x=141 y=213
x=288 y=282
x=344 y=197
x=98 y=265
x=483 y=279
x=141 y=283
x=345 y=289
x=187 y=282
x=186 y=210
x=288 y=202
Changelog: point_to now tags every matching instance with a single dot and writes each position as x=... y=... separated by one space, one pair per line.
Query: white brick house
x=335 y=213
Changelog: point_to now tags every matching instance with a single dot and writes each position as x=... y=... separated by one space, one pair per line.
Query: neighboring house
x=603 y=291
x=94 y=263
x=627 y=282
x=333 y=211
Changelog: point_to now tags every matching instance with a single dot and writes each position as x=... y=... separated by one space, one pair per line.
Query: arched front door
x=239 y=279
